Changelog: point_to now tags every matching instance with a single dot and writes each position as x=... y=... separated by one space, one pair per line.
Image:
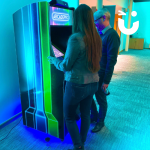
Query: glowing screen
x=57 y=52
x=59 y=16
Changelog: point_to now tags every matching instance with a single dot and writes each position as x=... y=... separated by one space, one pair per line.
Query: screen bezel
x=70 y=8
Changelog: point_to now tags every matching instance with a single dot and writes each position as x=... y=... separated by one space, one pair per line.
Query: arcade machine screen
x=61 y=21
x=57 y=52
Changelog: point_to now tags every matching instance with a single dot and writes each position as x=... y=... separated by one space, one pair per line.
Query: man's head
x=101 y=18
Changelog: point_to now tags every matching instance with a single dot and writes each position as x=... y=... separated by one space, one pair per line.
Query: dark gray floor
x=128 y=117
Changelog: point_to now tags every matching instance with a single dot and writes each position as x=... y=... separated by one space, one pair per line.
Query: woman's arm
x=72 y=52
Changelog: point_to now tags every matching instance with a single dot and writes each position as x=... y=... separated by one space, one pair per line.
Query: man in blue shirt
x=110 y=47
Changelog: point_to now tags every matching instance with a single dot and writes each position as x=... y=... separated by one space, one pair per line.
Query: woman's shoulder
x=77 y=36
x=77 y=40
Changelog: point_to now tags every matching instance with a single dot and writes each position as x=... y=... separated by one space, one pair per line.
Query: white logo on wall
x=60 y=16
x=123 y=29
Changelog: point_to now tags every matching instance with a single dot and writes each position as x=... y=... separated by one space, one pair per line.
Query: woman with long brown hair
x=81 y=66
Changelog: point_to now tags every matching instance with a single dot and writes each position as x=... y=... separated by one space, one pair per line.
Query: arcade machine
x=41 y=84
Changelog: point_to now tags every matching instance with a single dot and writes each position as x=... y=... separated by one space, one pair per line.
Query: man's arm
x=112 y=53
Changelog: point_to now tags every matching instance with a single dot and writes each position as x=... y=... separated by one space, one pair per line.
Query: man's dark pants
x=102 y=101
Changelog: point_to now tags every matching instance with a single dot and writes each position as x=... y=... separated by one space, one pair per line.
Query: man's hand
x=104 y=87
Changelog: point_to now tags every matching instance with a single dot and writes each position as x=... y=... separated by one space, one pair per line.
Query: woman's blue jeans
x=74 y=95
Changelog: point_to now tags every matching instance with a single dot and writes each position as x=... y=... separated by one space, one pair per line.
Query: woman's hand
x=52 y=60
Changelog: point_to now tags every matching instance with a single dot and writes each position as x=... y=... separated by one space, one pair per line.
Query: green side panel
x=52 y=125
x=45 y=50
x=45 y=46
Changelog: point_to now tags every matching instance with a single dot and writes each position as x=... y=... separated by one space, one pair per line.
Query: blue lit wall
x=126 y=17
x=123 y=36
x=143 y=15
x=10 y=104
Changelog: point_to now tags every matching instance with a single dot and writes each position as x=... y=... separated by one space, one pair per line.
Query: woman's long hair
x=84 y=23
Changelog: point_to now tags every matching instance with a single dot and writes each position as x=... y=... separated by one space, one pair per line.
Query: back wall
x=143 y=16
